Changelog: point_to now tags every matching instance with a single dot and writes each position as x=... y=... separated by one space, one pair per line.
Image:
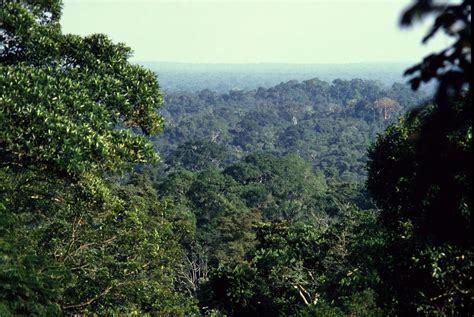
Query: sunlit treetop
x=70 y=104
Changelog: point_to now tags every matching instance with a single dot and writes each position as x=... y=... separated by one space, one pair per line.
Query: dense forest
x=329 y=125
x=308 y=198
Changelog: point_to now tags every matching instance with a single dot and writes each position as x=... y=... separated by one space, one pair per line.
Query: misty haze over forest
x=224 y=77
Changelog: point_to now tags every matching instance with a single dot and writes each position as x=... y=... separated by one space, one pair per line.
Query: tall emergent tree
x=420 y=174
x=73 y=111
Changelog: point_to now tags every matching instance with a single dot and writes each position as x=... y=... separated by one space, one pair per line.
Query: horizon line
x=269 y=63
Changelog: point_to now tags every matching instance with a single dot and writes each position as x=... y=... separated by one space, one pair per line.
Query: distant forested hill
x=224 y=77
x=330 y=125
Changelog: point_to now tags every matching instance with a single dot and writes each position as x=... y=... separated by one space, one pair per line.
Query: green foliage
x=29 y=31
x=63 y=97
x=245 y=269
x=432 y=139
x=267 y=284
x=250 y=217
x=329 y=125
x=359 y=304
x=126 y=256
x=56 y=124
x=427 y=214
x=30 y=283
x=302 y=270
x=225 y=204
x=224 y=223
x=282 y=188
x=420 y=174
x=74 y=111
x=119 y=257
x=198 y=156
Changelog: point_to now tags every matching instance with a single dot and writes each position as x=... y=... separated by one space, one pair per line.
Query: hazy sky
x=244 y=31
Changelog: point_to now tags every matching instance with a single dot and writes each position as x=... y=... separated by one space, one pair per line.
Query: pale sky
x=245 y=31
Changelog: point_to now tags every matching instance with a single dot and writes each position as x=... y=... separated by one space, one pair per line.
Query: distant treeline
x=224 y=77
